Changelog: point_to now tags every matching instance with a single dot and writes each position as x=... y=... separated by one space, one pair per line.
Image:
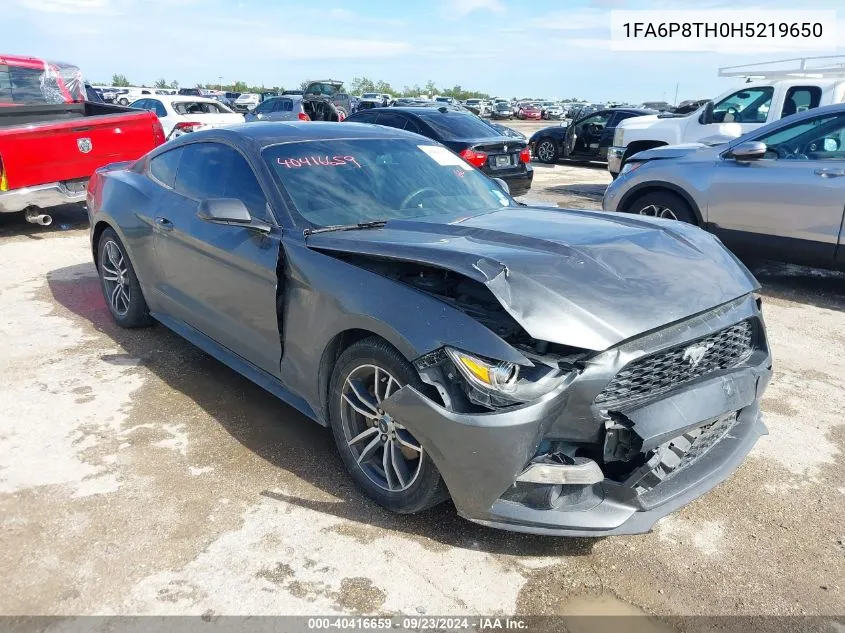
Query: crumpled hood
x=580 y=278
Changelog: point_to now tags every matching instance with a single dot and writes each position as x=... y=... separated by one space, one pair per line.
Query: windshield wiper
x=373 y=224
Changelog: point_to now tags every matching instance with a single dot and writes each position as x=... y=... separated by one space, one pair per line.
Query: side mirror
x=707 y=115
x=749 y=150
x=229 y=211
x=502 y=185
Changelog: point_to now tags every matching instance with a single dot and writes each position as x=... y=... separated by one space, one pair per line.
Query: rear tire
x=387 y=462
x=120 y=285
x=663 y=204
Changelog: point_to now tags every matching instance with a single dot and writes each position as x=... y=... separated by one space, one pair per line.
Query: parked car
x=777 y=192
x=557 y=372
x=552 y=111
x=501 y=110
x=128 y=95
x=184 y=114
x=658 y=106
x=465 y=134
x=766 y=96
x=368 y=104
x=587 y=138
x=529 y=111
x=53 y=136
x=329 y=90
x=247 y=101
x=190 y=92
x=107 y=93
x=295 y=108
x=478 y=106
x=229 y=98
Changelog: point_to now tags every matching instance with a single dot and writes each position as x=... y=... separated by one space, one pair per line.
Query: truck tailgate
x=71 y=149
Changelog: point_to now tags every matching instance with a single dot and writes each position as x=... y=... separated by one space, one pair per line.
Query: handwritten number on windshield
x=318 y=161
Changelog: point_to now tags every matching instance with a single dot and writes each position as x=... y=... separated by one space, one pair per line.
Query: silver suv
x=777 y=192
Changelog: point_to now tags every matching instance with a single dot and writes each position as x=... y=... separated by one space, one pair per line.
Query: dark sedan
x=587 y=138
x=558 y=372
x=498 y=156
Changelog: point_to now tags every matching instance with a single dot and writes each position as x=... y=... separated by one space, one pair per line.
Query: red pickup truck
x=52 y=139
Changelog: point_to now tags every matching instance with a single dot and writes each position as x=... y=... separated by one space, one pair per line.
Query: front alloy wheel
x=382 y=456
x=384 y=450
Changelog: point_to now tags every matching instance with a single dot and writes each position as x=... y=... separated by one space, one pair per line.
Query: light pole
x=220 y=83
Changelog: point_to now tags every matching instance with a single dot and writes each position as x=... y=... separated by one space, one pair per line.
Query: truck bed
x=65 y=143
x=11 y=116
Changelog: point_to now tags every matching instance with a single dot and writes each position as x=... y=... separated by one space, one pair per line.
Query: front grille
x=654 y=374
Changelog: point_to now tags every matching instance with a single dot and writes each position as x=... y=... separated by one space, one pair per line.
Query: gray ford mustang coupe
x=556 y=372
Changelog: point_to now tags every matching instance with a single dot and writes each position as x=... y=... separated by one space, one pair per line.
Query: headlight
x=497 y=383
x=631 y=166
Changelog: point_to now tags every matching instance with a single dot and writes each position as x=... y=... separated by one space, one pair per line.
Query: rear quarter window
x=163 y=167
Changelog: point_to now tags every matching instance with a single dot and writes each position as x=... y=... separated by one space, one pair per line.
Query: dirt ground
x=138 y=475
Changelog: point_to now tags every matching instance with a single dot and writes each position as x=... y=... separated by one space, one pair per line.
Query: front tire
x=663 y=204
x=547 y=151
x=120 y=285
x=382 y=457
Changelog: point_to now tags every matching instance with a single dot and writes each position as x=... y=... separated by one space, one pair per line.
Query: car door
x=220 y=279
x=740 y=112
x=790 y=203
x=584 y=138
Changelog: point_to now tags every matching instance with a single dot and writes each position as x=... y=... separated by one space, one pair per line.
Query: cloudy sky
x=551 y=48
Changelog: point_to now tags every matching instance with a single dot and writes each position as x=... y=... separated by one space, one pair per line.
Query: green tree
x=429 y=88
x=240 y=86
x=304 y=84
x=161 y=83
x=119 y=81
x=383 y=87
x=362 y=84
x=174 y=84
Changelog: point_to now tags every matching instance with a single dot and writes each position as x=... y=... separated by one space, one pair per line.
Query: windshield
x=371 y=95
x=502 y=106
x=361 y=180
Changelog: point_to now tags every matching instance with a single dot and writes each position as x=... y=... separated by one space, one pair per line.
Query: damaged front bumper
x=690 y=438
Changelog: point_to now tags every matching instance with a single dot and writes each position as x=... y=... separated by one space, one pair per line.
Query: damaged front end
x=607 y=442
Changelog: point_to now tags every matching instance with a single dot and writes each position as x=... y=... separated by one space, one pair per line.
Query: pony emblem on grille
x=694 y=354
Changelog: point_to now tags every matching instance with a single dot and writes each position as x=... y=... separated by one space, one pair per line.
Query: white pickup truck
x=769 y=94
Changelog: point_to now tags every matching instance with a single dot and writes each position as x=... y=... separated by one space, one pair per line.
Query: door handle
x=830 y=172
x=164 y=224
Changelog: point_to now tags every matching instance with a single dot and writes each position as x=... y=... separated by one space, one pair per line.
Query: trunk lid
x=579 y=278
x=324 y=87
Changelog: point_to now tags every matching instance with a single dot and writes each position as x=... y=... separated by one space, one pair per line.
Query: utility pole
x=220 y=84
x=677 y=85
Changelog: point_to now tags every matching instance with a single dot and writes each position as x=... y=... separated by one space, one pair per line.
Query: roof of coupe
x=272 y=133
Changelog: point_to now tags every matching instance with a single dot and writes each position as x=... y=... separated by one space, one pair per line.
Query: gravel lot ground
x=138 y=475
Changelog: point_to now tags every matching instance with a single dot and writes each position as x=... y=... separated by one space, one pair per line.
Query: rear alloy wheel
x=120 y=285
x=386 y=461
x=663 y=204
x=546 y=151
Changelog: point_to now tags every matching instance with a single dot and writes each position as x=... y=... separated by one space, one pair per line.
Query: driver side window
x=745 y=106
x=822 y=138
